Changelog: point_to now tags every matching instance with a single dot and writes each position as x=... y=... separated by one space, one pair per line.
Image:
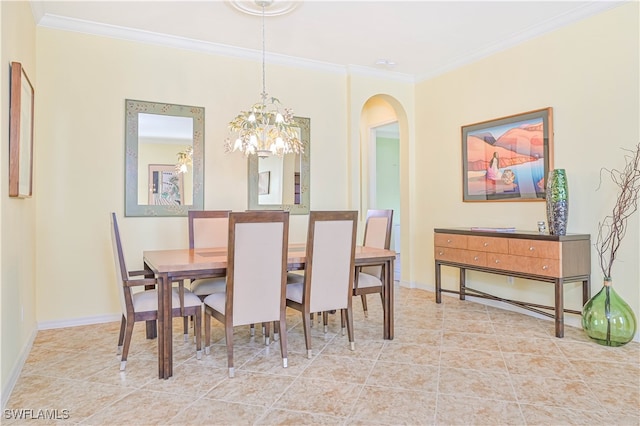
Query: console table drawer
x=488 y=244
x=525 y=265
x=451 y=241
x=533 y=248
x=461 y=256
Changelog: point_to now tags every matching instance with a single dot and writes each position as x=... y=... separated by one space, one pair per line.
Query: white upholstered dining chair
x=256 y=278
x=377 y=234
x=329 y=270
x=143 y=305
x=208 y=228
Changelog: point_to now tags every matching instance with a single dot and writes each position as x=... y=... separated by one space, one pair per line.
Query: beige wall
x=588 y=73
x=17 y=216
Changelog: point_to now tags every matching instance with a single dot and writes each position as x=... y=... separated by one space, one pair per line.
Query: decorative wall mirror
x=282 y=183
x=157 y=136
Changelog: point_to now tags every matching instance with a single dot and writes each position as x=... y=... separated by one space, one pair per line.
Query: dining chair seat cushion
x=207 y=286
x=295 y=291
x=217 y=301
x=295 y=277
x=148 y=300
x=366 y=280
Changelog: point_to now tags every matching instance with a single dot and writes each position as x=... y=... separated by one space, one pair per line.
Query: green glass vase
x=608 y=319
x=557 y=198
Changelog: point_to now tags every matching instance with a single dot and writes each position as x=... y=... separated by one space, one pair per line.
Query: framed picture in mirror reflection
x=263 y=182
x=166 y=185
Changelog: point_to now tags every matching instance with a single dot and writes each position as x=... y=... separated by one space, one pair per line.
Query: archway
x=378 y=169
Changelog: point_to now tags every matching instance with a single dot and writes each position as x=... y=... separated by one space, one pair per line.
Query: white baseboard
x=74 y=322
x=17 y=369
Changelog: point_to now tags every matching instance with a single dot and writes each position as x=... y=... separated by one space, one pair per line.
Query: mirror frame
x=132 y=109
x=304 y=124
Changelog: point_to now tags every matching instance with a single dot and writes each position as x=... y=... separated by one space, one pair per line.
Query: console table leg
x=463 y=282
x=559 y=317
x=438 y=284
x=586 y=291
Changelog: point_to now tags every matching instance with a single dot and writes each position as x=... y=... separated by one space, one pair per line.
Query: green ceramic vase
x=608 y=319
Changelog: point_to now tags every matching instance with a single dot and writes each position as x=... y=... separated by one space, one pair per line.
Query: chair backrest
x=329 y=265
x=377 y=234
x=208 y=228
x=257 y=266
x=122 y=275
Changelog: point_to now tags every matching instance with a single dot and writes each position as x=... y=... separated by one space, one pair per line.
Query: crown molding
x=129 y=34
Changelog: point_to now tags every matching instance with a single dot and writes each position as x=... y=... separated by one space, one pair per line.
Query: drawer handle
x=545 y=267
x=532 y=248
x=475 y=258
x=448 y=241
x=486 y=244
x=441 y=253
x=497 y=260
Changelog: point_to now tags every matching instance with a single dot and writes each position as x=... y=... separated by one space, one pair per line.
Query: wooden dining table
x=170 y=266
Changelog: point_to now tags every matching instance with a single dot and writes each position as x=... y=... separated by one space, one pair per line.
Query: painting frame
x=508 y=158
x=264 y=183
x=21 y=133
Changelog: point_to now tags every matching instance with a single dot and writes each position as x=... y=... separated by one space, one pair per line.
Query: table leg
x=438 y=284
x=463 y=283
x=559 y=317
x=165 y=338
x=388 y=312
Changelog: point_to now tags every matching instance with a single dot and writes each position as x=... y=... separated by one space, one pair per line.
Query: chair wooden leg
x=228 y=333
x=127 y=342
x=343 y=320
x=185 y=321
x=307 y=320
x=364 y=305
x=282 y=328
x=207 y=332
x=265 y=329
x=123 y=325
x=198 y=332
x=349 y=313
x=276 y=331
x=325 y=321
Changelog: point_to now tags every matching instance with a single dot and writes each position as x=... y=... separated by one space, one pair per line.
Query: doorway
x=384 y=178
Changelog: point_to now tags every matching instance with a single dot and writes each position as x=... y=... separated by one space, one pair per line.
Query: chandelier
x=185 y=159
x=264 y=129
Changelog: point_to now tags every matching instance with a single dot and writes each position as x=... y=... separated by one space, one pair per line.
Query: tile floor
x=453 y=363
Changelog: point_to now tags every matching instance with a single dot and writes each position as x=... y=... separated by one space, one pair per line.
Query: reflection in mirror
x=277 y=177
x=282 y=183
x=156 y=135
x=160 y=138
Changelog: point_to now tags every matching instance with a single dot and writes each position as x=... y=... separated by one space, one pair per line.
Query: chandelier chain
x=264 y=85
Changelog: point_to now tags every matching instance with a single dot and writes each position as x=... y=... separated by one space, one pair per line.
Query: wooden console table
x=523 y=254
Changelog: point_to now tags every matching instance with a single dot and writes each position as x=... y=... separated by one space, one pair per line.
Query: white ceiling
x=423 y=38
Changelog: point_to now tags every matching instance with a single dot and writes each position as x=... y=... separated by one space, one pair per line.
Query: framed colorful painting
x=509 y=158
x=20 y=134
